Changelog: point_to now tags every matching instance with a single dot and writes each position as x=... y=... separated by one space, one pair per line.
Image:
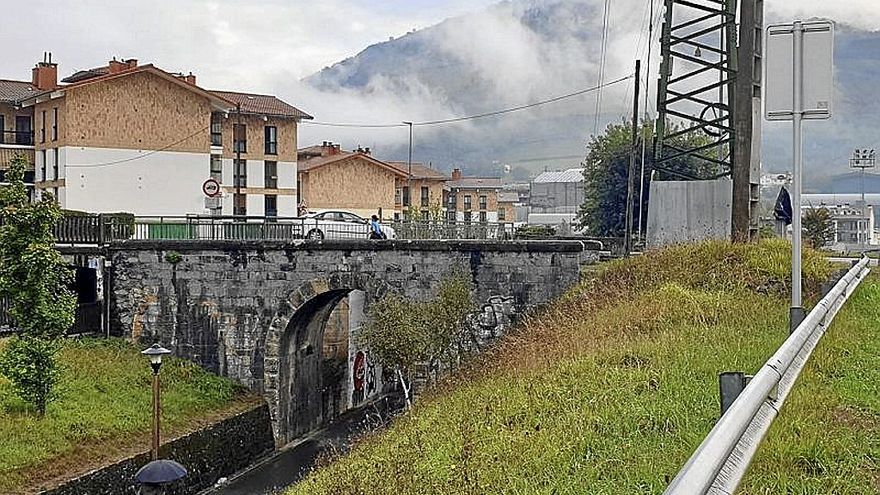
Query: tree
x=606 y=170
x=818 y=227
x=34 y=279
x=402 y=333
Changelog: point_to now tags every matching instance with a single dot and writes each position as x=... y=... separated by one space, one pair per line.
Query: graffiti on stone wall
x=366 y=376
x=493 y=319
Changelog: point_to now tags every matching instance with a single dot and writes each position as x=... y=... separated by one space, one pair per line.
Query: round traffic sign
x=211 y=188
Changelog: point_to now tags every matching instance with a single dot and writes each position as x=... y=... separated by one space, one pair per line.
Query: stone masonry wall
x=216 y=304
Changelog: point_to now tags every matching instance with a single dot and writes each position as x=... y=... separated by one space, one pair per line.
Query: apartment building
x=419 y=193
x=356 y=181
x=16 y=124
x=138 y=139
x=472 y=199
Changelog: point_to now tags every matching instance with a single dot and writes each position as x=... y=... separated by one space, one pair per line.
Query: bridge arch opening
x=315 y=370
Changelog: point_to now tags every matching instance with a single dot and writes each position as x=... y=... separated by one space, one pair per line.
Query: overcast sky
x=257 y=44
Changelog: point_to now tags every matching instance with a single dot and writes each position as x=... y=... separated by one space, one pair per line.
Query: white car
x=334 y=224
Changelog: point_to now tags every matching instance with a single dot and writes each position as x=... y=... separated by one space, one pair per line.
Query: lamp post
x=155 y=353
x=862 y=159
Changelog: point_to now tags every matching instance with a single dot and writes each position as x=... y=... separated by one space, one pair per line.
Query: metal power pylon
x=694 y=95
x=698 y=92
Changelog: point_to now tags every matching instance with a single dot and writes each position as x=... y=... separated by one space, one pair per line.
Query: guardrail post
x=730 y=385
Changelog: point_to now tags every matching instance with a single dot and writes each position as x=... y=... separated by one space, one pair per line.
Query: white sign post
x=799 y=83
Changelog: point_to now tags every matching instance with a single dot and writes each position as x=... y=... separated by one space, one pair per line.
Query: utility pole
x=409 y=164
x=631 y=172
x=746 y=104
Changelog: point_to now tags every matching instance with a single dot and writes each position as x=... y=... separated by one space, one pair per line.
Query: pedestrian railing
x=102 y=229
x=720 y=462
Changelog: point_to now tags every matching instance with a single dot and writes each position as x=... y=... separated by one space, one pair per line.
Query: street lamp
x=862 y=159
x=155 y=353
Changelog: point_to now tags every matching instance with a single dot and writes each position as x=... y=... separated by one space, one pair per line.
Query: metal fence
x=101 y=229
x=720 y=462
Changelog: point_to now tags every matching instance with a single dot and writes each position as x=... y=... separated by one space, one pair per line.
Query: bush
x=31 y=365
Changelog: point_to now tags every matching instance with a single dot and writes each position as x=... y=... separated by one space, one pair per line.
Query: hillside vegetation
x=104 y=412
x=611 y=389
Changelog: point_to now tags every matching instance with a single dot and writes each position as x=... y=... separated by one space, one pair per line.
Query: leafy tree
x=402 y=333
x=818 y=227
x=606 y=169
x=33 y=278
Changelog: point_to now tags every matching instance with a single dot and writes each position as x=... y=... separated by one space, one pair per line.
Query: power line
x=131 y=159
x=601 y=66
x=478 y=116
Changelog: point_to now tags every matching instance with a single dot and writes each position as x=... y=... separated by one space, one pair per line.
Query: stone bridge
x=281 y=318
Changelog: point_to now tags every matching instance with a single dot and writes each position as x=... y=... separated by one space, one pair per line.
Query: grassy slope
x=611 y=389
x=104 y=412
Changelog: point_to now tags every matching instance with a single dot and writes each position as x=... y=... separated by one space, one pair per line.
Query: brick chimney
x=190 y=78
x=456 y=174
x=44 y=75
x=115 y=66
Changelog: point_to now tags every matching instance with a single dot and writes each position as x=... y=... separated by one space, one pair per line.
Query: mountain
x=522 y=51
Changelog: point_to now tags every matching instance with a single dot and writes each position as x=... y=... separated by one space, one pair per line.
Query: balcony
x=19 y=138
x=7 y=152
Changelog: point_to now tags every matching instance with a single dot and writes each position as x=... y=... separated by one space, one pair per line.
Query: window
x=425 y=215
x=43 y=166
x=482 y=202
x=24 y=133
x=406 y=198
x=216 y=129
x=450 y=199
x=271 y=206
x=467 y=216
x=396 y=216
x=271 y=175
x=55 y=124
x=425 y=196
x=240 y=173
x=398 y=195
x=271 y=140
x=502 y=216
x=55 y=164
x=217 y=168
x=467 y=202
x=483 y=217
x=2 y=129
x=239 y=137
x=450 y=215
x=43 y=126
x=239 y=204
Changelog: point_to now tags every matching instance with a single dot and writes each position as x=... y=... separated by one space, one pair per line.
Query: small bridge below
x=282 y=317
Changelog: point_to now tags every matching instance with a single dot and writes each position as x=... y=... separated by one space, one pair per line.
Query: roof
x=313 y=163
x=508 y=197
x=263 y=105
x=217 y=99
x=419 y=171
x=476 y=183
x=12 y=91
x=570 y=175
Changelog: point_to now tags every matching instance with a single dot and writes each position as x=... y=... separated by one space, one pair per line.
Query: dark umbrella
x=160 y=472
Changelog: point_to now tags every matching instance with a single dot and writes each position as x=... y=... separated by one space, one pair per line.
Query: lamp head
x=155 y=353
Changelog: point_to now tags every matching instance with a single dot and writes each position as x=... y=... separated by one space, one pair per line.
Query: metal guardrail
x=720 y=462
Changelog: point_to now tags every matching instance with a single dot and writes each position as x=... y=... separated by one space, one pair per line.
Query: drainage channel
x=294 y=461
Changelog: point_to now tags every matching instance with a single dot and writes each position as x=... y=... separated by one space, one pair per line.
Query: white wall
x=163 y=183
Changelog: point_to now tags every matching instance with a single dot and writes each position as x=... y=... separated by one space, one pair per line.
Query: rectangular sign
x=817 y=70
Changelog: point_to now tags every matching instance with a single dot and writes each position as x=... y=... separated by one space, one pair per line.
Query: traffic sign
x=814 y=41
x=211 y=188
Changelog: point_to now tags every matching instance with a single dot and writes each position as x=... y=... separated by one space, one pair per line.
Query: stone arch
x=293 y=374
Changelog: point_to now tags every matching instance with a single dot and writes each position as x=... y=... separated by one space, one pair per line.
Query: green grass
x=610 y=390
x=103 y=413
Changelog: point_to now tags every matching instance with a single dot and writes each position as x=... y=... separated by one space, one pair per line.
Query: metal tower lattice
x=696 y=88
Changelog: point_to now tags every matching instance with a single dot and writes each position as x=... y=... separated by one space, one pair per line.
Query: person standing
x=376 y=229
